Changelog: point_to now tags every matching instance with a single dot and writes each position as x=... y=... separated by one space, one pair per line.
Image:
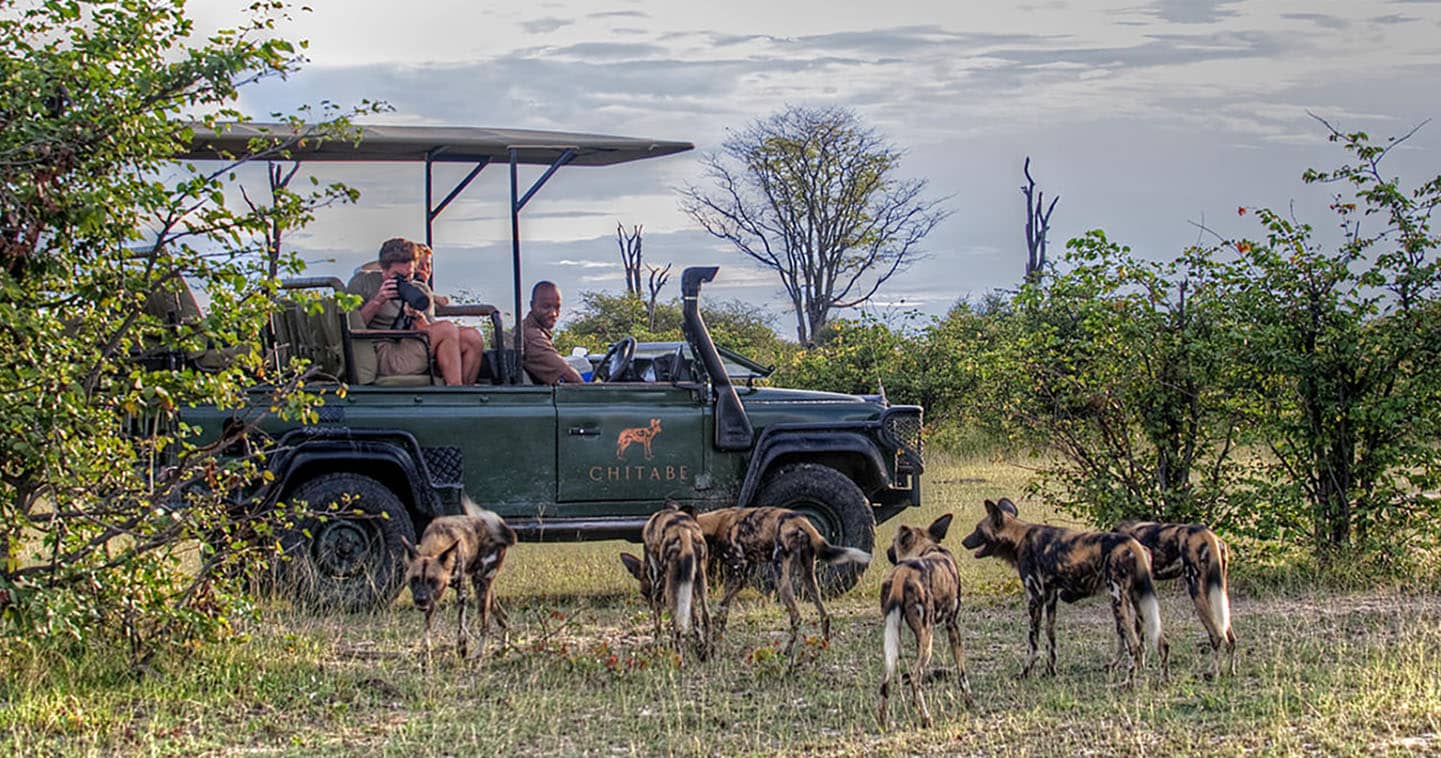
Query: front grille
x=903 y=429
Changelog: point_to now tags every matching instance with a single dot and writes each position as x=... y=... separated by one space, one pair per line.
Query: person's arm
x=386 y=293
x=543 y=361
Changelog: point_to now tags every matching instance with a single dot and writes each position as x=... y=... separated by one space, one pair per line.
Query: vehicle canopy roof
x=441 y=144
x=477 y=146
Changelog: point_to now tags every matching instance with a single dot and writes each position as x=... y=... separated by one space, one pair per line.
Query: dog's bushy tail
x=835 y=554
x=1217 y=593
x=892 y=644
x=682 y=582
x=1147 y=605
x=832 y=554
x=499 y=530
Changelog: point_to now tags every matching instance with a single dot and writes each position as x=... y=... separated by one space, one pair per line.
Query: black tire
x=346 y=550
x=837 y=507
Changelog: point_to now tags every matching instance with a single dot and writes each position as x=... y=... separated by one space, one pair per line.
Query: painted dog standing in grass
x=452 y=549
x=1055 y=562
x=1196 y=551
x=924 y=589
x=743 y=539
x=673 y=571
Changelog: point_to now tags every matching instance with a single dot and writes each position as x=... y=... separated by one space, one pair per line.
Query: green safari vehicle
x=567 y=462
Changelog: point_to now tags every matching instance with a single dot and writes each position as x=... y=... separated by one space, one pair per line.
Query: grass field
x=1318 y=673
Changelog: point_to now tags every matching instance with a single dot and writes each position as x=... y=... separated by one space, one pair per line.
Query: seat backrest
x=311 y=330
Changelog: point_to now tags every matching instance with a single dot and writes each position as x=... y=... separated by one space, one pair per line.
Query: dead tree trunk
x=630 y=256
x=1038 y=224
x=658 y=277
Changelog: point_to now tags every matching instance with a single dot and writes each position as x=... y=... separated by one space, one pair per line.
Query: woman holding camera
x=458 y=360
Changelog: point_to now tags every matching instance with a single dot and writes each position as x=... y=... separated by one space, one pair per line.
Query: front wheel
x=346 y=549
x=837 y=507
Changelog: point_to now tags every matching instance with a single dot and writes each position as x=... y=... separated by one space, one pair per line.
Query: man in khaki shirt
x=542 y=361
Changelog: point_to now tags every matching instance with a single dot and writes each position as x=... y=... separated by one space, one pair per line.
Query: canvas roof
x=468 y=144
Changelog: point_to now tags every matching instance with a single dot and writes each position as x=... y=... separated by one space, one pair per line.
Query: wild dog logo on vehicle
x=643 y=436
x=638 y=434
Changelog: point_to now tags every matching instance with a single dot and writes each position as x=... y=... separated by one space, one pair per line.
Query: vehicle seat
x=174 y=305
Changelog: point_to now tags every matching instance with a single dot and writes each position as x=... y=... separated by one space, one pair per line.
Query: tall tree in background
x=1038 y=225
x=815 y=196
x=630 y=256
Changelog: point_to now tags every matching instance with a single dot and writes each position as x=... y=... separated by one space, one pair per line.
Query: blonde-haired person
x=457 y=360
x=472 y=343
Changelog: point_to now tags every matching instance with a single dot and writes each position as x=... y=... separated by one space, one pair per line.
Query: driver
x=542 y=361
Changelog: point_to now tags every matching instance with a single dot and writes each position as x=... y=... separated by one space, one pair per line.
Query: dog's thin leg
x=1036 y=607
x=813 y=586
x=1051 y=598
x=425 y=656
x=924 y=633
x=700 y=612
x=788 y=599
x=958 y=653
x=735 y=572
x=1125 y=627
x=484 y=597
x=882 y=709
x=502 y=619
x=1199 y=598
x=462 y=604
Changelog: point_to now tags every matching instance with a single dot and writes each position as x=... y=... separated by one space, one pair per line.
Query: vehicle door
x=629 y=441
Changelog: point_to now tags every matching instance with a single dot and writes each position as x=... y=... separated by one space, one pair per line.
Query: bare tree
x=630 y=256
x=279 y=178
x=814 y=195
x=1038 y=223
x=658 y=278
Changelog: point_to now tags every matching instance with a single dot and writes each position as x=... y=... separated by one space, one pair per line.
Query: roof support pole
x=517 y=202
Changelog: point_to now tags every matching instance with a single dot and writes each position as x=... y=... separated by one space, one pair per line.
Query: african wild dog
x=451 y=549
x=673 y=571
x=1197 y=552
x=924 y=589
x=1069 y=564
x=743 y=539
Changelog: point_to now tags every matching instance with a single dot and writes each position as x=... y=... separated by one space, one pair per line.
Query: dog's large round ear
x=904 y=538
x=939 y=527
x=633 y=565
x=410 y=552
x=1009 y=507
x=995 y=514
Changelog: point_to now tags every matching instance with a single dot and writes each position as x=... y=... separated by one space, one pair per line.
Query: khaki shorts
x=402 y=358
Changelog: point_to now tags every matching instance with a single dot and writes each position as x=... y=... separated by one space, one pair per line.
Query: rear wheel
x=346 y=551
x=837 y=507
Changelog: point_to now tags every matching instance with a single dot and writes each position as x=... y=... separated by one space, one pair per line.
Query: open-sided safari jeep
x=552 y=460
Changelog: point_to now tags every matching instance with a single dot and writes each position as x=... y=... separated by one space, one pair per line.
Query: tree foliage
x=105 y=500
x=1341 y=345
x=815 y=196
x=1120 y=365
x=603 y=318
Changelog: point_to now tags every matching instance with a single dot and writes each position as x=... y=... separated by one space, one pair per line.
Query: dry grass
x=1318 y=674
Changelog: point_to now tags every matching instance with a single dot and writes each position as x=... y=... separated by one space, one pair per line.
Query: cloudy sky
x=1144 y=116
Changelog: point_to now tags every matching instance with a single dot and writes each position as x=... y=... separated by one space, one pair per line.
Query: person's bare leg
x=445 y=345
x=472 y=352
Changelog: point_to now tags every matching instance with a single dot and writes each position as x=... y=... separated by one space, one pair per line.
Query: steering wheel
x=616 y=360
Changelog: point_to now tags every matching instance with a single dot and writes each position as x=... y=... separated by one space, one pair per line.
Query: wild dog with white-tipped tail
x=673 y=573
x=744 y=539
x=1196 y=552
x=1067 y=564
x=924 y=590
x=453 y=548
